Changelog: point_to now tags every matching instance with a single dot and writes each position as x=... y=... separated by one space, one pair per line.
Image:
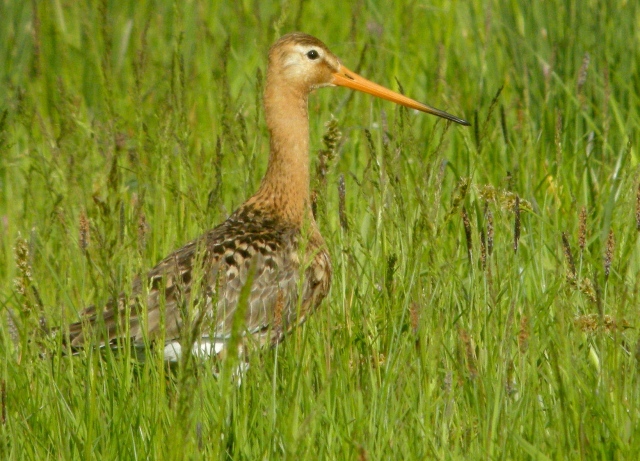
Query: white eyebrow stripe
x=301 y=50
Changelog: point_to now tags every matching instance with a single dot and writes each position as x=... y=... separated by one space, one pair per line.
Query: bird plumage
x=272 y=241
x=215 y=268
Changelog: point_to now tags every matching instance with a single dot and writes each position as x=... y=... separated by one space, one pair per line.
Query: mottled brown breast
x=204 y=280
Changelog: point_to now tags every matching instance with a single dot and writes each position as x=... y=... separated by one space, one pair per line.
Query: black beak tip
x=459 y=121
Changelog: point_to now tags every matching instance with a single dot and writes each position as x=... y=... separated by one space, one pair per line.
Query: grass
x=486 y=279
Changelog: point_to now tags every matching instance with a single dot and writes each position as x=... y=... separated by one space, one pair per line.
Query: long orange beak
x=349 y=79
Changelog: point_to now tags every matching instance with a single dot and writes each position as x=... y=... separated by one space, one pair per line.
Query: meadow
x=486 y=284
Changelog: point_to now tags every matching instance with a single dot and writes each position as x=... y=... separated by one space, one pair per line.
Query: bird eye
x=313 y=54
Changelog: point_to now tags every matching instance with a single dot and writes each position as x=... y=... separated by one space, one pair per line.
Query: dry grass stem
x=582 y=78
x=608 y=256
x=470 y=354
x=516 y=223
x=483 y=249
x=558 y=138
x=84 y=233
x=489 y=218
x=582 y=229
x=523 y=334
x=638 y=208
x=143 y=230
x=342 y=212
x=571 y=265
x=467 y=233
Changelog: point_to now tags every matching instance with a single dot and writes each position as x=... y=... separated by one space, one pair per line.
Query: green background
x=128 y=129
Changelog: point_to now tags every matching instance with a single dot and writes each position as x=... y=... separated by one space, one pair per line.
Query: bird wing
x=199 y=287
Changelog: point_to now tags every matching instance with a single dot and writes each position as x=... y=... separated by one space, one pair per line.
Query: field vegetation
x=486 y=292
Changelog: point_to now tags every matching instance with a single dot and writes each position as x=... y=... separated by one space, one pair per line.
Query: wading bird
x=266 y=268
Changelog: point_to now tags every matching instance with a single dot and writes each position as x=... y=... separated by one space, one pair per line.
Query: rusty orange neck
x=285 y=187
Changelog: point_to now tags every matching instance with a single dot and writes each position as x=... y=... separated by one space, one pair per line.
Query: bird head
x=304 y=63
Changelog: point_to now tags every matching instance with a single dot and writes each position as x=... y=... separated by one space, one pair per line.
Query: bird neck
x=284 y=191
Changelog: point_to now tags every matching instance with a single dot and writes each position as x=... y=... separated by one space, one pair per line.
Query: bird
x=265 y=269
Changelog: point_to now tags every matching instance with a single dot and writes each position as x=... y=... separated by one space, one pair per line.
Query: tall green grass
x=486 y=279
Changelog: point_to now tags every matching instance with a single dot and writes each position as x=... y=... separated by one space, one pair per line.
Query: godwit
x=271 y=241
